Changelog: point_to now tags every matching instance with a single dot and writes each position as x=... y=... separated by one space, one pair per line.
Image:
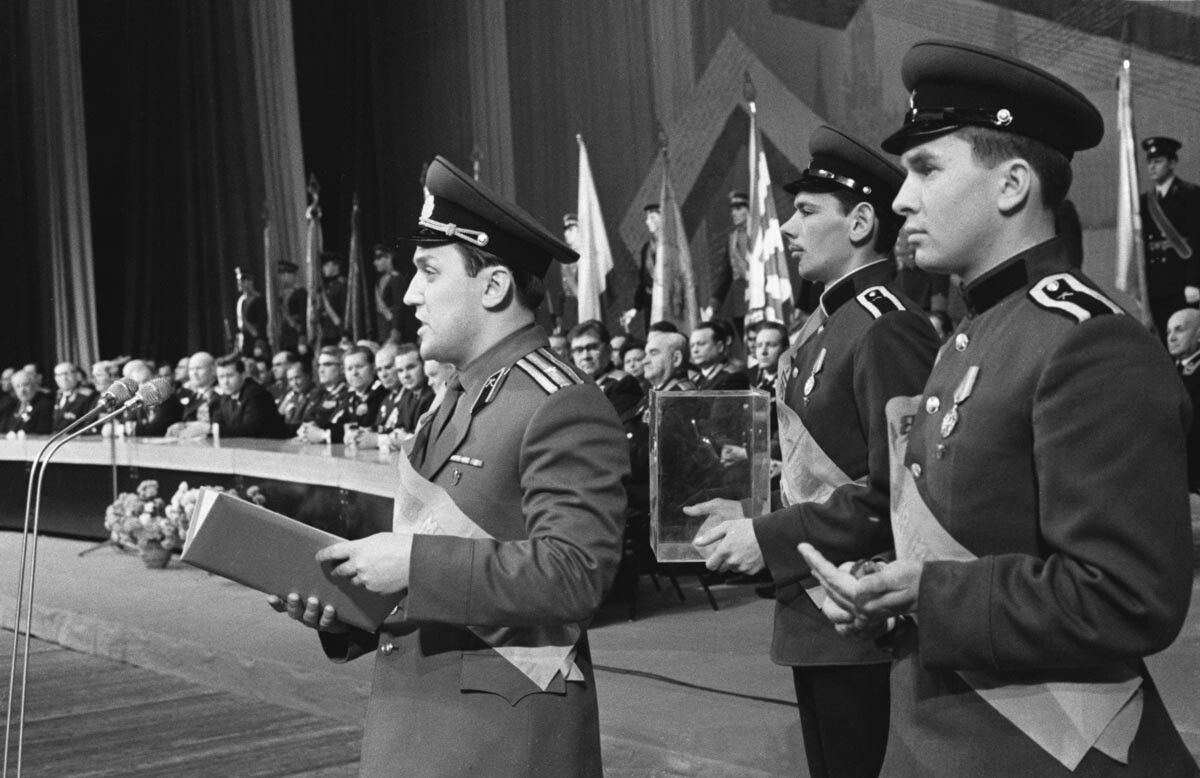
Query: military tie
x=429 y=431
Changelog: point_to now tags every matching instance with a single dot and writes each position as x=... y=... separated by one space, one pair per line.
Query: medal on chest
x=811 y=383
x=961 y=394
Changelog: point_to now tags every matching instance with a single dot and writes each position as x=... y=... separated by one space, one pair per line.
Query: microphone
x=151 y=393
x=117 y=394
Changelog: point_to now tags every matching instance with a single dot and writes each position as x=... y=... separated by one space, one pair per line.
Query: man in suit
x=1183 y=344
x=243 y=409
x=1041 y=515
x=1170 y=226
x=710 y=344
x=529 y=450
x=591 y=353
x=416 y=394
x=74 y=397
x=33 y=411
x=865 y=344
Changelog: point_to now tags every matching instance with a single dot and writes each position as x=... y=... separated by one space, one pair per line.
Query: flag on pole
x=768 y=285
x=674 y=294
x=595 y=256
x=269 y=291
x=312 y=264
x=354 y=322
x=1131 y=266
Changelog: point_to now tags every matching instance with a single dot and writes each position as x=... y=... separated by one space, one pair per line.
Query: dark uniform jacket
x=324 y=404
x=1064 y=473
x=760 y=379
x=534 y=456
x=155 y=420
x=293 y=406
x=876 y=345
x=335 y=293
x=35 y=417
x=622 y=390
x=355 y=408
x=69 y=406
x=728 y=298
x=250 y=414
x=193 y=400
x=402 y=408
x=1189 y=371
x=725 y=379
x=1167 y=273
x=294 y=326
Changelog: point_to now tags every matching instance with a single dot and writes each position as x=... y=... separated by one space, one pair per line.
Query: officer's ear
x=862 y=223
x=499 y=287
x=1015 y=182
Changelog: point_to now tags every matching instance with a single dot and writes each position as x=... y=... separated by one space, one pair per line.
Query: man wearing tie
x=531 y=452
x=1183 y=344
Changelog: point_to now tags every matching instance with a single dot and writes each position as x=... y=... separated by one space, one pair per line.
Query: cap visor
x=915 y=134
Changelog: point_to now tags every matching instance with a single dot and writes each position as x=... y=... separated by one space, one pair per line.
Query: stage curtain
x=60 y=171
x=491 y=112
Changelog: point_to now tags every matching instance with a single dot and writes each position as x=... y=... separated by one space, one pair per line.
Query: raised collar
x=840 y=291
x=1015 y=275
x=504 y=354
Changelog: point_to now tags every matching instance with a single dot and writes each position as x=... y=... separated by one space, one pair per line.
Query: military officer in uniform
x=327 y=400
x=529 y=450
x=293 y=305
x=710 y=344
x=251 y=314
x=728 y=298
x=294 y=405
x=74 y=398
x=643 y=286
x=866 y=343
x=362 y=401
x=1041 y=513
x=1170 y=226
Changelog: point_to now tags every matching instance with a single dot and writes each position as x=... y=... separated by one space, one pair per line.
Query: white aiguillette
x=275 y=554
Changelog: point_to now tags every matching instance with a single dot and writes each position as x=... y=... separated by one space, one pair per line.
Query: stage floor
x=684 y=690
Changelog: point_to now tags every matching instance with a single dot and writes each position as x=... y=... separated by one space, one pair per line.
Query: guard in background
x=864 y=344
x=1170 y=225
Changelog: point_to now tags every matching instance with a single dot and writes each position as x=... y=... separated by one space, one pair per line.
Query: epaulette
x=548 y=371
x=877 y=300
x=491 y=388
x=1066 y=295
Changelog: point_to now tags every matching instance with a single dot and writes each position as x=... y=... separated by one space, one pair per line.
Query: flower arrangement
x=142 y=518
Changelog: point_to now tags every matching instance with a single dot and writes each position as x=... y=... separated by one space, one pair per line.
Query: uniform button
x=932 y=404
x=915 y=469
x=387 y=648
x=961 y=341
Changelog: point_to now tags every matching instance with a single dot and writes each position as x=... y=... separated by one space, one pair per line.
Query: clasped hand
x=862 y=607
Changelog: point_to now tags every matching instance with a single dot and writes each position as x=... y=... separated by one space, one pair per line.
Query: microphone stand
x=31 y=529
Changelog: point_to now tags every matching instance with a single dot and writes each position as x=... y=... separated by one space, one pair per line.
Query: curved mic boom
x=151 y=393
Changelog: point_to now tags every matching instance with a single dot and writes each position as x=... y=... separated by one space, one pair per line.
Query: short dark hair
x=629 y=345
x=408 y=348
x=721 y=330
x=360 y=350
x=304 y=365
x=778 y=326
x=887 y=222
x=528 y=288
x=591 y=326
x=662 y=325
x=991 y=147
x=330 y=351
x=232 y=360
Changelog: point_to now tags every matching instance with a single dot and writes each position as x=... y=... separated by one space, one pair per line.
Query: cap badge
x=1004 y=117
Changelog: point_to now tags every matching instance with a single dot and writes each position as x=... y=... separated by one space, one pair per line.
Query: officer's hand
x=1191 y=294
x=731 y=454
x=892 y=591
x=366 y=439
x=311 y=433
x=731 y=546
x=379 y=563
x=309 y=613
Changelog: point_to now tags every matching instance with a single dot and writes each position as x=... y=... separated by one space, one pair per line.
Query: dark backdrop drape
x=175 y=200
x=24 y=316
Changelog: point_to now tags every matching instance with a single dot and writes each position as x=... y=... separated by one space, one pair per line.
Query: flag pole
x=312 y=251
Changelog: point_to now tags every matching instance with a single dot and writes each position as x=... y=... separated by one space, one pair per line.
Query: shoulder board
x=491 y=387
x=1066 y=295
x=548 y=371
x=877 y=301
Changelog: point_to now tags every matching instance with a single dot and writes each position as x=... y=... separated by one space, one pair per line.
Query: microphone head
x=154 y=391
x=118 y=393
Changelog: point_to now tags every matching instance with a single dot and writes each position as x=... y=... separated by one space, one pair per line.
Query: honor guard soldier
x=74 y=398
x=1170 y=225
x=728 y=298
x=293 y=305
x=528 y=449
x=1040 y=507
x=864 y=344
x=328 y=400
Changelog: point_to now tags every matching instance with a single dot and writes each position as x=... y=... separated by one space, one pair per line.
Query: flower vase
x=154 y=555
